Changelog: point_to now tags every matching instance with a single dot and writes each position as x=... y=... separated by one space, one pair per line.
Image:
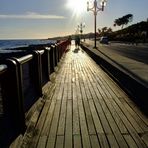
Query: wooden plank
x=112 y=141
x=89 y=119
x=68 y=128
x=100 y=112
x=125 y=111
x=140 y=113
x=77 y=141
x=103 y=140
x=94 y=141
x=40 y=124
x=61 y=126
x=60 y=91
x=96 y=119
x=42 y=142
x=132 y=109
x=130 y=128
x=128 y=125
x=83 y=125
x=102 y=118
x=69 y=85
x=31 y=130
x=116 y=117
x=130 y=141
x=48 y=120
x=112 y=123
x=76 y=125
x=54 y=125
x=144 y=137
x=59 y=142
x=102 y=137
x=107 y=128
x=135 y=116
x=17 y=142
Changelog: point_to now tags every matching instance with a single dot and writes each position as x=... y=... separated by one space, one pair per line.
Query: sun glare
x=77 y=6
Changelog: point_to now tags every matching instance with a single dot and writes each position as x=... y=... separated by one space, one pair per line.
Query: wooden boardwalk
x=85 y=108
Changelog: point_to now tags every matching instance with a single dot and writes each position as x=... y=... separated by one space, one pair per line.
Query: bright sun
x=78 y=6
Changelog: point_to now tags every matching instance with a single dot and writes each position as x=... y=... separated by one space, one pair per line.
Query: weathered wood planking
x=87 y=109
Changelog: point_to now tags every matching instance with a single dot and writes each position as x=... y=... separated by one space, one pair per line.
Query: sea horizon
x=10 y=44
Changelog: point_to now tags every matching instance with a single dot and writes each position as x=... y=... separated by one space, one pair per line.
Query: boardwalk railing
x=21 y=83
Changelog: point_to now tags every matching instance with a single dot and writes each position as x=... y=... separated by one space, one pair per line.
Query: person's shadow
x=76 y=50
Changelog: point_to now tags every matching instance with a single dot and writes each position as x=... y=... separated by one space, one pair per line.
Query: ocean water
x=8 y=45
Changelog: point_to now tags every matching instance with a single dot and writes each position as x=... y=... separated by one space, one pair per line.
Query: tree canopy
x=104 y=31
x=124 y=20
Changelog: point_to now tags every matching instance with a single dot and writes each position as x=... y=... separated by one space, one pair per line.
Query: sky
x=41 y=19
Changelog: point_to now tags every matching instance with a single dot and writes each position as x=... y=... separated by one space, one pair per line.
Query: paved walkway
x=137 y=70
x=86 y=109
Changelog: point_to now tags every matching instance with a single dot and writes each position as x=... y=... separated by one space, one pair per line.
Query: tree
x=123 y=20
x=104 y=31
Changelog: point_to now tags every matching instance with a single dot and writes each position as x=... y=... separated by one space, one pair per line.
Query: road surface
x=138 y=53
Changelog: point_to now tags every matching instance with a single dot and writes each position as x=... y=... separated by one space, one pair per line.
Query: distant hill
x=86 y=36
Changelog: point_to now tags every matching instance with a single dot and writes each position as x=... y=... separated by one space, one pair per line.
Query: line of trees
x=134 y=33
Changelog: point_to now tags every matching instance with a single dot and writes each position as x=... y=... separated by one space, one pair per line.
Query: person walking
x=77 y=41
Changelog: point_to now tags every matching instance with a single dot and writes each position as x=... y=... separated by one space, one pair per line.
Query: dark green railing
x=21 y=83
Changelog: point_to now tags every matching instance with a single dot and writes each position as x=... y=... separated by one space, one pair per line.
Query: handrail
x=24 y=59
x=48 y=48
x=23 y=82
x=41 y=51
x=52 y=46
x=3 y=68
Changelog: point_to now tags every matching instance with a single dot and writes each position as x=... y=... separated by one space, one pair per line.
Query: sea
x=7 y=46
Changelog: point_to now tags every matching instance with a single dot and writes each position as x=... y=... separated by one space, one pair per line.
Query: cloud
x=30 y=15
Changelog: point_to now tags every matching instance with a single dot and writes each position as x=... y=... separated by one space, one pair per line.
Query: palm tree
x=123 y=20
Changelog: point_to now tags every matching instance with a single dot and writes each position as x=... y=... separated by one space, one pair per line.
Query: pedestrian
x=77 y=41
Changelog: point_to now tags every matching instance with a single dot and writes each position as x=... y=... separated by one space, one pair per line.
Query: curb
x=129 y=83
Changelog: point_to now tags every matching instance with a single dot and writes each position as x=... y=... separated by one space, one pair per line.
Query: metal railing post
x=52 y=60
x=13 y=104
x=55 y=54
x=47 y=56
x=37 y=72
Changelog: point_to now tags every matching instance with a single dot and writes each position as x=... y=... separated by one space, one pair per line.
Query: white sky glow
x=77 y=6
x=30 y=15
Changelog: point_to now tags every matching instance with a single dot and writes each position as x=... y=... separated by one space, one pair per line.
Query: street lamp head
x=103 y=4
x=87 y=5
x=83 y=24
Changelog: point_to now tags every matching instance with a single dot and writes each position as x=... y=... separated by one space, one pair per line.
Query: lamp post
x=95 y=10
x=80 y=27
x=76 y=31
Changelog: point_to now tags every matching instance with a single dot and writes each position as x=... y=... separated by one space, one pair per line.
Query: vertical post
x=37 y=72
x=14 y=103
x=47 y=62
x=55 y=54
x=95 y=9
x=58 y=54
x=95 y=20
x=52 y=61
x=44 y=58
